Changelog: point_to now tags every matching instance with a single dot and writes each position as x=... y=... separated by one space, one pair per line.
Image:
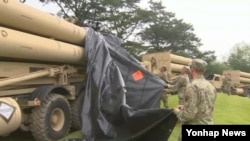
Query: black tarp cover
x=122 y=99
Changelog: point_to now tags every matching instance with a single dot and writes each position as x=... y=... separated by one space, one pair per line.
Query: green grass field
x=228 y=110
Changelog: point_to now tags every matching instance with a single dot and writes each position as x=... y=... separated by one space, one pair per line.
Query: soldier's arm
x=169 y=77
x=190 y=106
x=177 y=85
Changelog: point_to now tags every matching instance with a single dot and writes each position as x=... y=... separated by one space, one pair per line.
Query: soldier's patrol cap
x=198 y=64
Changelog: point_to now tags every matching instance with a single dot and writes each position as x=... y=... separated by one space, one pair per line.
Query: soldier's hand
x=167 y=90
x=176 y=110
x=169 y=86
x=180 y=107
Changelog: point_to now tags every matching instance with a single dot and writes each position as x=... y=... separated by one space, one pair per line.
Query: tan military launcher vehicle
x=174 y=63
x=41 y=72
x=240 y=84
x=216 y=80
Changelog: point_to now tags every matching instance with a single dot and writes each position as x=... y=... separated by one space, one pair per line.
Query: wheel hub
x=57 y=119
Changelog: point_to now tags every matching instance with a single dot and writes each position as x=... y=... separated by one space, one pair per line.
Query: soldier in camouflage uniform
x=181 y=84
x=227 y=84
x=200 y=96
x=164 y=75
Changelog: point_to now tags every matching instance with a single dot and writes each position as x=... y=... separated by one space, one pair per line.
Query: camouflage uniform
x=227 y=85
x=180 y=86
x=166 y=77
x=200 y=96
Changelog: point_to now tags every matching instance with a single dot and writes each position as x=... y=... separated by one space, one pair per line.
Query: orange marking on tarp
x=137 y=75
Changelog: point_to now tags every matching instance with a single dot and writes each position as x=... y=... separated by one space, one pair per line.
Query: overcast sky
x=220 y=24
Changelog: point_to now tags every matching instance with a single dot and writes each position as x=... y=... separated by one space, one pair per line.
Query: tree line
x=149 y=29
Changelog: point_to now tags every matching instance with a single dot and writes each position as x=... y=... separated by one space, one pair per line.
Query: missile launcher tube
x=179 y=59
x=244 y=74
x=176 y=67
x=17 y=45
x=238 y=76
x=37 y=22
x=239 y=91
x=244 y=80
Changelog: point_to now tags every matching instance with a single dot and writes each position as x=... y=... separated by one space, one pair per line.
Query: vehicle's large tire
x=52 y=119
x=76 y=108
x=219 y=90
x=246 y=93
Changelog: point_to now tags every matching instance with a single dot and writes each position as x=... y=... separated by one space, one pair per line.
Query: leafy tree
x=239 y=57
x=141 y=30
x=166 y=33
x=119 y=17
x=87 y=12
x=208 y=56
x=217 y=67
x=134 y=48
